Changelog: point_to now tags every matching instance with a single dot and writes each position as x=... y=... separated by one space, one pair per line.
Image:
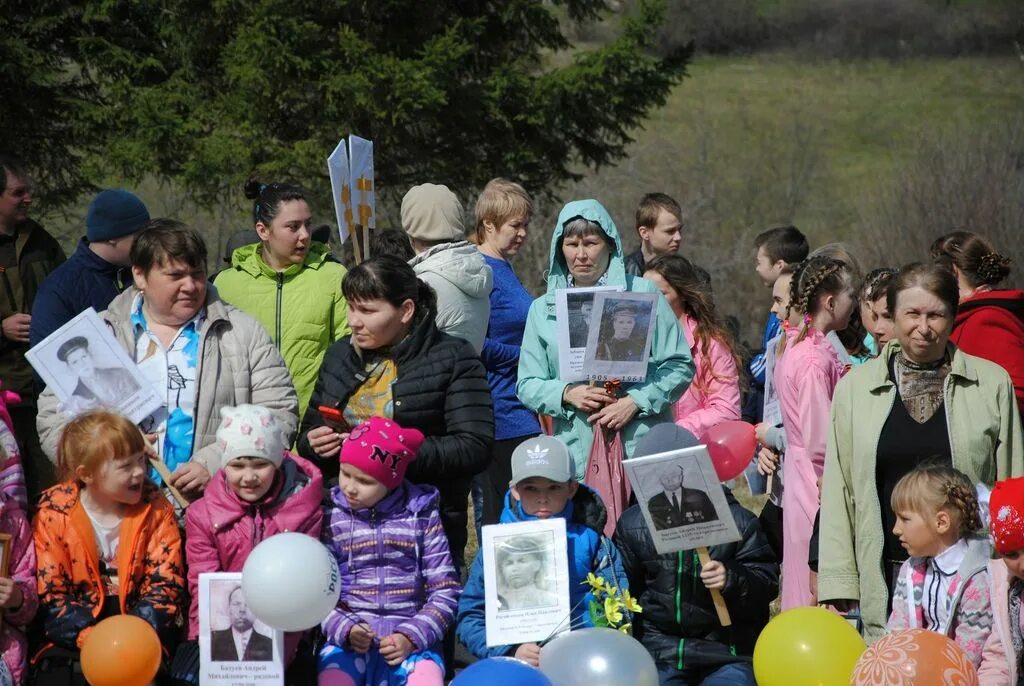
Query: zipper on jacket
x=203 y=331
x=277 y=314
x=257 y=527
x=380 y=557
x=679 y=607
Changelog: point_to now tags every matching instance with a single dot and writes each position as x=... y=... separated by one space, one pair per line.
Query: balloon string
x=558 y=627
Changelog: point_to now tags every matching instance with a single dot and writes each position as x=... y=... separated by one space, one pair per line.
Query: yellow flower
x=630 y=602
x=613 y=610
x=626 y=628
x=596 y=584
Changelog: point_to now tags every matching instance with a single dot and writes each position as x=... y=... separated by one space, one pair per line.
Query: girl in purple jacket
x=399 y=587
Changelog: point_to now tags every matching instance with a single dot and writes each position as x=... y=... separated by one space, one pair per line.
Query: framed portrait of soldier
x=619 y=342
x=88 y=369
x=682 y=500
x=574 y=309
x=234 y=646
x=526 y=581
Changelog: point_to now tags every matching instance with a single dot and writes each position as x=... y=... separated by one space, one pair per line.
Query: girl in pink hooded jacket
x=1001 y=659
x=714 y=395
x=18 y=593
x=260 y=490
x=807 y=370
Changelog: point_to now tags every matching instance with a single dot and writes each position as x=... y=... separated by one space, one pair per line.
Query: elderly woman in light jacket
x=920 y=399
x=198 y=353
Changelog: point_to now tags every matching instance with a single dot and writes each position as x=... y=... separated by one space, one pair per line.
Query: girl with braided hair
x=944 y=585
x=989 y=321
x=806 y=373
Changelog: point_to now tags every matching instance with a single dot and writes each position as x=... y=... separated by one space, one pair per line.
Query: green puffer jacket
x=986 y=444
x=302 y=308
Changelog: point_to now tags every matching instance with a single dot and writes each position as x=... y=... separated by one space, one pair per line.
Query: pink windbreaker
x=805 y=377
x=221 y=529
x=22 y=568
x=998 y=662
x=714 y=395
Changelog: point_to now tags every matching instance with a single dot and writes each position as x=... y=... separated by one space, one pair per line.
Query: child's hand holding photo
x=713 y=575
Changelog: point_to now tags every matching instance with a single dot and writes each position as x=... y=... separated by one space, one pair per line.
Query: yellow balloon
x=807 y=646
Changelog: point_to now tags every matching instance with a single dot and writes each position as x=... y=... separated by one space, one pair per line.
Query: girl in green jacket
x=288 y=282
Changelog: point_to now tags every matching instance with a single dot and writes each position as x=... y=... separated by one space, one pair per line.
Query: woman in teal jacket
x=586 y=250
x=289 y=283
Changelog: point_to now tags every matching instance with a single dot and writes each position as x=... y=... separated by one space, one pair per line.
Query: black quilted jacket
x=442 y=391
x=678 y=624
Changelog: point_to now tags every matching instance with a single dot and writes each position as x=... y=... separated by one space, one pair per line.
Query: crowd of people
x=368 y=405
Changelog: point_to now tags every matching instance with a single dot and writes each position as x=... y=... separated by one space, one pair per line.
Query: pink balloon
x=731 y=445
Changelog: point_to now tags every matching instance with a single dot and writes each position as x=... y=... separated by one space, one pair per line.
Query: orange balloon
x=914 y=657
x=121 y=651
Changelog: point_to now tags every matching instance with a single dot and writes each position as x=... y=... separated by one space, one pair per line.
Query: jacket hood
x=293 y=478
x=249 y=259
x=1010 y=300
x=592 y=210
x=409 y=498
x=459 y=263
x=585 y=508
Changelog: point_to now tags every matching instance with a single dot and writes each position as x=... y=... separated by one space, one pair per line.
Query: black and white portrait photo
x=678 y=504
x=526 y=580
x=619 y=342
x=240 y=640
x=581 y=306
x=102 y=385
x=522 y=564
x=87 y=368
x=575 y=322
x=623 y=336
x=682 y=500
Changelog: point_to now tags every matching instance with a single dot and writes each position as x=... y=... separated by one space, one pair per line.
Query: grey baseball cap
x=542 y=456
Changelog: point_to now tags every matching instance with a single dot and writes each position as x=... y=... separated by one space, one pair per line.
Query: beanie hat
x=113 y=214
x=1006 y=506
x=432 y=213
x=250 y=431
x=542 y=456
x=664 y=438
x=382 y=449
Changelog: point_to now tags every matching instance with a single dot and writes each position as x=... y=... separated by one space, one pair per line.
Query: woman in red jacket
x=990 y=321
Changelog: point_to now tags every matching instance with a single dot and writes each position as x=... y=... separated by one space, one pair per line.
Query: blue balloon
x=501 y=671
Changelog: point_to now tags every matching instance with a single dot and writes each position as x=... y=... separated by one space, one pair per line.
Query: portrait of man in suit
x=678 y=505
x=240 y=642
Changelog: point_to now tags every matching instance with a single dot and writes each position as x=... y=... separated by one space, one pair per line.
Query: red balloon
x=731 y=445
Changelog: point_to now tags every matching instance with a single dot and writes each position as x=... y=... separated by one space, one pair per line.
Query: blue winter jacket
x=85 y=280
x=589 y=551
x=669 y=369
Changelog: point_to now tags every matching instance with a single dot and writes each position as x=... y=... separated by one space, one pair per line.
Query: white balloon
x=597 y=657
x=291 y=582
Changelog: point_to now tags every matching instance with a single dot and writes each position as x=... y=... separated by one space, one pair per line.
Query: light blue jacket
x=669 y=370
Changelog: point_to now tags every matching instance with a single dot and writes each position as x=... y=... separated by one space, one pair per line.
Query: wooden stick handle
x=165 y=474
x=716 y=595
x=769 y=483
x=356 y=249
x=366 y=243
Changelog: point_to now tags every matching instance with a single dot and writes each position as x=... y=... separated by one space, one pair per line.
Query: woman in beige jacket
x=920 y=400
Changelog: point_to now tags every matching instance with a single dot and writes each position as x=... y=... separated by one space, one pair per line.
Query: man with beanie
x=27 y=254
x=97 y=272
x=453 y=267
x=679 y=625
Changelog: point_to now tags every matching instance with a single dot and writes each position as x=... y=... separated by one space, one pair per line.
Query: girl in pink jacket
x=1001 y=659
x=260 y=490
x=18 y=592
x=714 y=395
x=806 y=372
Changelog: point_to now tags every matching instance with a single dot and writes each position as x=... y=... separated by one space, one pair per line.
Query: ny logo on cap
x=389 y=460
